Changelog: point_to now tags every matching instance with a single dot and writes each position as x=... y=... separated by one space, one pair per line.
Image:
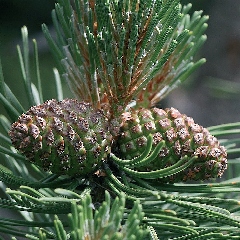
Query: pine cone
x=67 y=137
x=182 y=137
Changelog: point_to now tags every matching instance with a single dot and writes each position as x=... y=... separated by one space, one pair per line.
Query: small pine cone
x=182 y=137
x=66 y=137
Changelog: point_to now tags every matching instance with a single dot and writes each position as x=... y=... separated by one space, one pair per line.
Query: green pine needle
x=120 y=48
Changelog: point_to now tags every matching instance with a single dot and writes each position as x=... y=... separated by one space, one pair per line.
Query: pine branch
x=105 y=222
x=119 y=48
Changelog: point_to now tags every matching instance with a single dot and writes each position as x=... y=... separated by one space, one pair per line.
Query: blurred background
x=210 y=95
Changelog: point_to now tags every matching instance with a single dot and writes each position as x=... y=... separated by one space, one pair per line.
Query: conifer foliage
x=109 y=164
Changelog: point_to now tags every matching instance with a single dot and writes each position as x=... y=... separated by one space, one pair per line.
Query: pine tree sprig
x=25 y=67
x=162 y=173
x=178 y=65
x=10 y=97
x=85 y=221
x=58 y=84
x=199 y=188
x=125 y=188
x=203 y=236
x=11 y=153
x=38 y=75
x=143 y=159
x=22 y=201
x=9 y=178
x=52 y=45
x=9 y=107
x=120 y=53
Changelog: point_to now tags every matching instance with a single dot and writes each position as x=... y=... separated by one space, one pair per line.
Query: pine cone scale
x=182 y=137
x=66 y=137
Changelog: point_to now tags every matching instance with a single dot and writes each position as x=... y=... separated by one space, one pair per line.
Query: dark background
x=210 y=96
